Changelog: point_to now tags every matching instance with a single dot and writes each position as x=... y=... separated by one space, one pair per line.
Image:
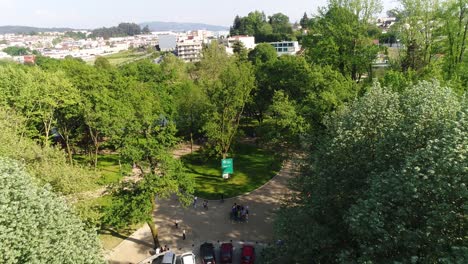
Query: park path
x=213 y=224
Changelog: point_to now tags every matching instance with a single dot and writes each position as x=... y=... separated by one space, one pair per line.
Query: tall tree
x=340 y=39
x=363 y=9
x=417 y=26
x=454 y=16
x=386 y=184
x=227 y=83
x=135 y=201
x=304 y=21
x=280 y=23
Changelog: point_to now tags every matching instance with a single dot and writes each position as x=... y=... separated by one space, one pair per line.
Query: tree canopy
x=37 y=226
x=387 y=183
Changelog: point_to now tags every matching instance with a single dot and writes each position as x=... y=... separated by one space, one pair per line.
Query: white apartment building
x=189 y=51
x=248 y=41
x=286 y=47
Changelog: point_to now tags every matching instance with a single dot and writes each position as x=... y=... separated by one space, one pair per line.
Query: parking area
x=237 y=247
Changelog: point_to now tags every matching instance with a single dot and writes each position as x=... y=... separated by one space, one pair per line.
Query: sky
x=89 y=14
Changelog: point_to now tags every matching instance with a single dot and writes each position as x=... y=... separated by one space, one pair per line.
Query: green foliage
x=102 y=63
x=17 y=51
x=48 y=165
x=134 y=202
x=227 y=87
x=277 y=28
x=280 y=24
x=239 y=49
x=387 y=183
x=453 y=15
x=123 y=29
x=305 y=21
x=262 y=53
x=416 y=26
x=76 y=35
x=37 y=226
x=191 y=107
x=283 y=128
x=340 y=39
x=316 y=90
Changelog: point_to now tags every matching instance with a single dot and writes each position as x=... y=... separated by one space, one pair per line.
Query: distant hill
x=24 y=29
x=175 y=26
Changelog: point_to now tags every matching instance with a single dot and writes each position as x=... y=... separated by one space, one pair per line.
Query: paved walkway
x=208 y=225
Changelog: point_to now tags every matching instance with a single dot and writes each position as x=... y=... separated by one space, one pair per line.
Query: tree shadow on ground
x=122 y=235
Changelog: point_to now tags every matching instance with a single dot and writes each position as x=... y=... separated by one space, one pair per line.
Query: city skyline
x=88 y=14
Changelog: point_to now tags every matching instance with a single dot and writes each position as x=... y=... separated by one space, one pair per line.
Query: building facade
x=286 y=47
x=189 y=51
x=247 y=41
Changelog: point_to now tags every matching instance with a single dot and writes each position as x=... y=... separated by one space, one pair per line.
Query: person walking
x=176 y=222
x=195 y=202
x=183 y=235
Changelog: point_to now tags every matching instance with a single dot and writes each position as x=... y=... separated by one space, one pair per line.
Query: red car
x=225 y=253
x=248 y=254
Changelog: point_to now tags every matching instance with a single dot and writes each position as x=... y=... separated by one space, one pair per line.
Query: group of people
x=205 y=203
x=162 y=249
x=240 y=212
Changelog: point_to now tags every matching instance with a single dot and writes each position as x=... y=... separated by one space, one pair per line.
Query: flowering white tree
x=386 y=184
x=37 y=226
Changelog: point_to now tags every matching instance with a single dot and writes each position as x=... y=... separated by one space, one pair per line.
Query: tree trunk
x=152 y=226
x=95 y=138
x=69 y=152
x=191 y=142
x=154 y=233
x=47 y=126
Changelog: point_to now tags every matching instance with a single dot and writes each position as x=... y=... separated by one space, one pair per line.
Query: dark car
x=248 y=254
x=207 y=253
x=225 y=253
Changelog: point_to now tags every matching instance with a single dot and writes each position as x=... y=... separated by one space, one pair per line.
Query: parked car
x=207 y=253
x=154 y=259
x=169 y=258
x=187 y=258
x=225 y=255
x=248 y=254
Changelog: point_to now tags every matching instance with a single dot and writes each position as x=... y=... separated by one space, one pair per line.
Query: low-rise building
x=247 y=41
x=286 y=47
x=189 y=51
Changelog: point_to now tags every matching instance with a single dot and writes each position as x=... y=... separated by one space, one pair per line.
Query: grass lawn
x=108 y=166
x=111 y=238
x=253 y=167
x=123 y=57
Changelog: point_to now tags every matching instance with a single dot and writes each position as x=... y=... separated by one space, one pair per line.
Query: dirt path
x=213 y=224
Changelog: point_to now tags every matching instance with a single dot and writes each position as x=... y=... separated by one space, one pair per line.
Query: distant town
x=84 y=45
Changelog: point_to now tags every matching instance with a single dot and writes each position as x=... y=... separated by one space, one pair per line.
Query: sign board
x=227 y=166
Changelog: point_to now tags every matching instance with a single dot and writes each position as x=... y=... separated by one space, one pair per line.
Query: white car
x=161 y=258
x=169 y=258
x=187 y=258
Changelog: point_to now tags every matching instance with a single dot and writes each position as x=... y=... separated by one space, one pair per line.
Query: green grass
x=108 y=166
x=253 y=167
x=111 y=238
x=123 y=57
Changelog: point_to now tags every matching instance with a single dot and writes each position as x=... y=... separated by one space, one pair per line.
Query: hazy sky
x=98 y=13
